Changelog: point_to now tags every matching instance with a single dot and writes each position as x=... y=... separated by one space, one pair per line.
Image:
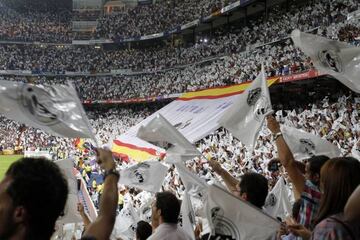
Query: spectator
x=32 y=197
x=165 y=217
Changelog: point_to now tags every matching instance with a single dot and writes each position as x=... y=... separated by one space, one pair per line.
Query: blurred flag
x=277 y=202
x=162 y=134
x=231 y=218
x=55 y=109
x=335 y=58
x=71 y=214
x=126 y=222
x=246 y=116
x=147 y=176
x=132 y=148
x=187 y=215
x=304 y=145
x=194 y=185
x=79 y=143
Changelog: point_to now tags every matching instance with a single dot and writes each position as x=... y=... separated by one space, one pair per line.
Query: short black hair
x=143 y=230
x=256 y=187
x=316 y=162
x=40 y=187
x=169 y=205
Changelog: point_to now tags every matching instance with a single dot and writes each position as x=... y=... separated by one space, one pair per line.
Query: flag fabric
x=194 y=185
x=232 y=218
x=335 y=58
x=71 y=214
x=246 y=116
x=304 y=145
x=145 y=211
x=126 y=222
x=147 y=176
x=135 y=149
x=187 y=215
x=196 y=114
x=277 y=202
x=79 y=143
x=162 y=134
x=55 y=109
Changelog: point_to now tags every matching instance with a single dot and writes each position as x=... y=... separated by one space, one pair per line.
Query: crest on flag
x=224 y=227
x=259 y=102
x=331 y=59
x=307 y=146
x=38 y=104
x=271 y=200
x=139 y=173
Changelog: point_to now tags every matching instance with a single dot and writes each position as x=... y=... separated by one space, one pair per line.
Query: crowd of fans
x=33 y=26
x=42 y=58
x=334 y=118
x=155 y=18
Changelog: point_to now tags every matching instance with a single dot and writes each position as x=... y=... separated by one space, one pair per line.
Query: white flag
x=70 y=211
x=161 y=133
x=187 y=215
x=277 y=203
x=338 y=59
x=145 y=211
x=234 y=218
x=126 y=222
x=148 y=176
x=304 y=145
x=54 y=109
x=194 y=185
x=246 y=116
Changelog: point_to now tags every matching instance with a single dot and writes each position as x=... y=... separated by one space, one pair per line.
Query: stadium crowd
x=334 y=118
x=42 y=58
x=155 y=18
x=33 y=26
x=225 y=160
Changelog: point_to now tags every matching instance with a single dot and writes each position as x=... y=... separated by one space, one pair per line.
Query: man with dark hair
x=252 y=187
x=165 y=217
x=143 y=230
x=33 y=194
x=306 y=188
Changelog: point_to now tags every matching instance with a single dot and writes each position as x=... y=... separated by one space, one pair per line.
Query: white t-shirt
x=168 y=231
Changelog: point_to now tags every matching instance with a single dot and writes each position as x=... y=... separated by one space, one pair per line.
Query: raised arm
x=229 y=180
x=103 y=225
x=84 y=216
x=286 y=157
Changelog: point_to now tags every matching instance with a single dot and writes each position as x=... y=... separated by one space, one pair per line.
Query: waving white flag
x=54 y=109
x=304 y=145
x=338 y=59
x=277 y=203
x=126 y=222
x=148 y=176
x=194 y=185
x=162 y=134
x=71 y=214
x=231 y=218
x=246 y=116
x=187 y=215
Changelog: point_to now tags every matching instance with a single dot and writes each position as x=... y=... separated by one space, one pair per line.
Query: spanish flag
x=79 y=143
x=221 y=92
x=129 y=151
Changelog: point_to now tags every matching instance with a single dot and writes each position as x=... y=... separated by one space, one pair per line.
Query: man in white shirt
x=165 y=218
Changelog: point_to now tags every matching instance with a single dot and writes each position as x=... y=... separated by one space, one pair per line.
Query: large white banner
x=196 y=114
